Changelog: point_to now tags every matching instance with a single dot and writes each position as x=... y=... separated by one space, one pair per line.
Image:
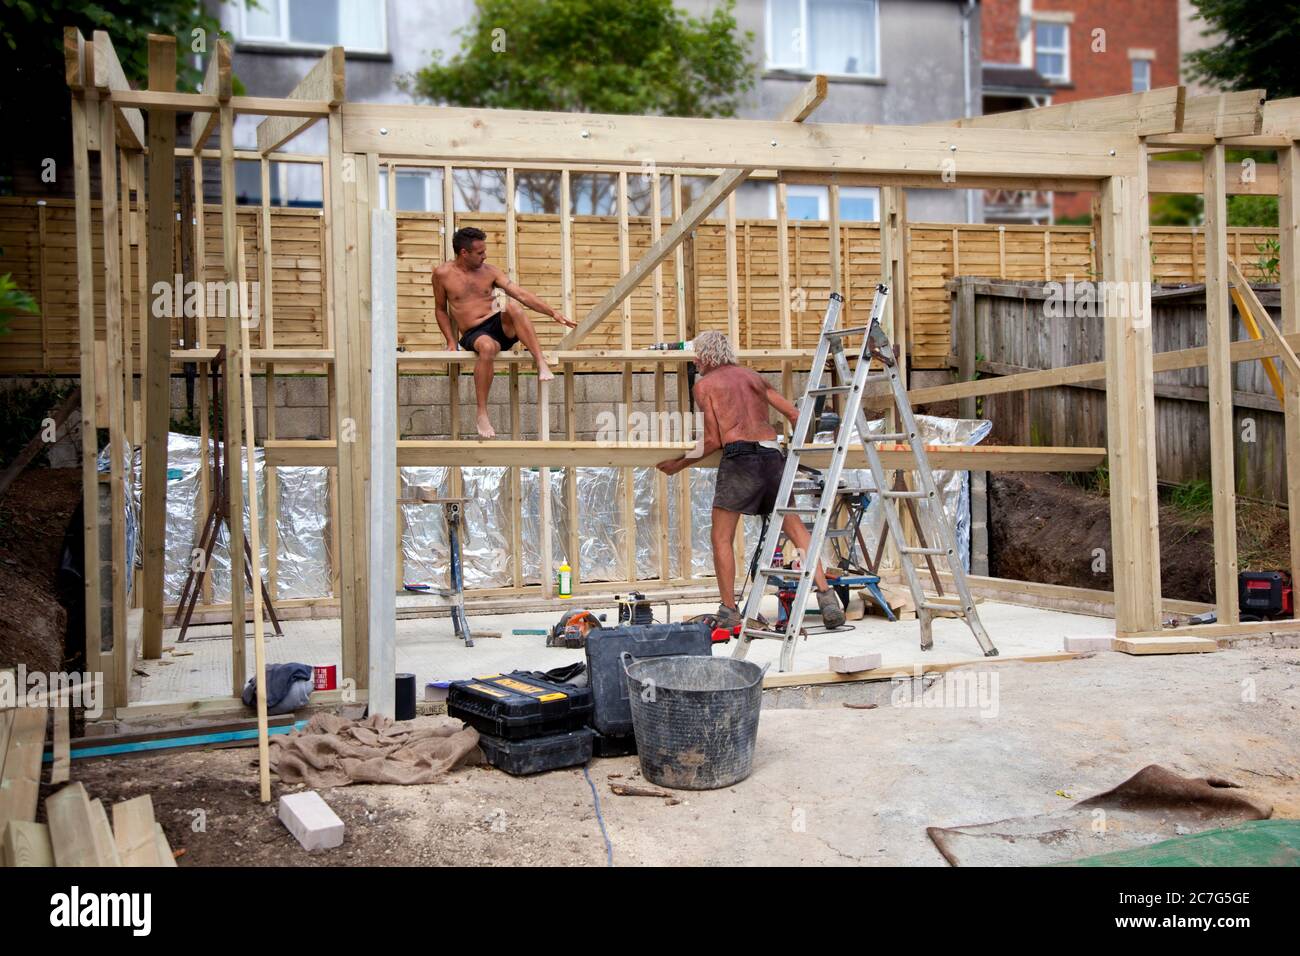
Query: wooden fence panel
x=936 y=253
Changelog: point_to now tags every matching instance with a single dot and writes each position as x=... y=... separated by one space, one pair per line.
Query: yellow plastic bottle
x=565 y=578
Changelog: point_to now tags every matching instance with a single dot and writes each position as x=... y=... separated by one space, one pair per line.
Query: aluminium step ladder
x=935 y=530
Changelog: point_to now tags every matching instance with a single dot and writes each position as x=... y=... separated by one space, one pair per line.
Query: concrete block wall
x=424 y=410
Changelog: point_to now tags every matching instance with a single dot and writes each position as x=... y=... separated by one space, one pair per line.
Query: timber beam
x=595 y=454
x=110 y=79
x=324 y=82
x=218 y=82
x=721 y=188
x=1144 y=114
x=520 y=136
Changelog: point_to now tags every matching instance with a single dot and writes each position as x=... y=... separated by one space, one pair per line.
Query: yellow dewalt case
x=519 y=705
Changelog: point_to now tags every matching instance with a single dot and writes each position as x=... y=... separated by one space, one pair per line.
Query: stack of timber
x=78 y=832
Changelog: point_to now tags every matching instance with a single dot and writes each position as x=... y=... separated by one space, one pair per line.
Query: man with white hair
x=735 y=403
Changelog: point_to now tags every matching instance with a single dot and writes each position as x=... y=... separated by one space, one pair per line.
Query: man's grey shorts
x=749 y=478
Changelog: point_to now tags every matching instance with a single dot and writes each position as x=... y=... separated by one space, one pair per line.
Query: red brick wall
x=998 y=43
x=1149 y=24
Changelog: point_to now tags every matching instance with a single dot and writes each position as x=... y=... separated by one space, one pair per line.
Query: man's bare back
x=736 y=398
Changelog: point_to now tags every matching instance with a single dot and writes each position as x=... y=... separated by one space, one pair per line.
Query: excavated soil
x=1044 y=528
x=34 y=514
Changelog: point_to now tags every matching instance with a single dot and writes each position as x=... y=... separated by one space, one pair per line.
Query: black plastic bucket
x=695 y=719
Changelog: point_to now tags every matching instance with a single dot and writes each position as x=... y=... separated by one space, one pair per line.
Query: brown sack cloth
x=332 y=751
x=1154 y=804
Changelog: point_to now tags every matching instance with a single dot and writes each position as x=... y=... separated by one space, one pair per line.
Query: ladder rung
x=890 y=436
x=904 y=494
x=936 y=551
x=937 y=606
x=782 y=572
x=831 y=390
x=807 y=448
x=855 y=330
x=798 y=509
x=754 y=632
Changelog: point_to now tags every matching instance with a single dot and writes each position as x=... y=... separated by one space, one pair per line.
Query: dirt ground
x=831 y=785
x=34 y=513
x=1044 y=528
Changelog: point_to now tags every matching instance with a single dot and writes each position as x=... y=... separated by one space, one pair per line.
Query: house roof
x=1013 y=79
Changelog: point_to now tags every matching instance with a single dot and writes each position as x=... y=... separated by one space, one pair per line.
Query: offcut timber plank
x=162 y=849
x=133 y=832
x=26 y=844
x=1165 y=645
x=62 y=756
x=20 y=779
x=105 y=848
x=72 y=827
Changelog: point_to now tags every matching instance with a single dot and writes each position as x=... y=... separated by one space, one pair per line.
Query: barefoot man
x=462 y=291
x=735 y=402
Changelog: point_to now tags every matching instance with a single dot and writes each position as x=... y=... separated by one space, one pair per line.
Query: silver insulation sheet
x=487 y=535
x=302 y=554
x=487 y=542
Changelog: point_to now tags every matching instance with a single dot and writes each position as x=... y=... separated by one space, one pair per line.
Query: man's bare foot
x=544 y=374
x=485 y=429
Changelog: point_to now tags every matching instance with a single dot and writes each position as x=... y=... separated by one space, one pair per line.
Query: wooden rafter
x=720 y=189
x=1144 y=114
x=218 y=81
x=323 y=82
x=111 y=78
x=520 y=136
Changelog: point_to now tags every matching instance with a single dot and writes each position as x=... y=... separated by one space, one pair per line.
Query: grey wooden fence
x=1025 y=326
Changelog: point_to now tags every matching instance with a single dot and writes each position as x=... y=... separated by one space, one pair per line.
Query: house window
x=1141 y=75
x=357 y=25
x=418 y=190
x=857 y=203
x=1052 y=51
x=838 y=37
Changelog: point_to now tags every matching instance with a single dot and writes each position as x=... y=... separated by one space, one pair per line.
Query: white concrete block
x=852 y=663
x=1087 y=644
x=311 y=821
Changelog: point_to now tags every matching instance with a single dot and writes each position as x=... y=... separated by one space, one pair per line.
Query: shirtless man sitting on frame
x=462 y=291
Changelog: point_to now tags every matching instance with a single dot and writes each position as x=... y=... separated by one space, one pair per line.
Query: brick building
x=1057 y=51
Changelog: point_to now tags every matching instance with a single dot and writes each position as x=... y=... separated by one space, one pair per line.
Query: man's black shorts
x=489 y=326
x=749 y=478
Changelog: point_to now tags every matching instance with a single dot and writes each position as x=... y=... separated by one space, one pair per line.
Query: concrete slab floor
x=428 y=647
x=830 y=785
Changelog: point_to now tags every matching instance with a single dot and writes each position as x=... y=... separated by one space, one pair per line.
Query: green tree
x=1257 y=48
x=35 y=99
x=592 y=56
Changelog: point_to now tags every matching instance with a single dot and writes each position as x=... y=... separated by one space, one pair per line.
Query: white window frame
x=770 y=62
x=1147 y=65
x=424 y=173
x=283 y=40
x=1064 y=50
x=822 y=195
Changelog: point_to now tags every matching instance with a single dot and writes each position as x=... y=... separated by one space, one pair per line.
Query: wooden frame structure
x=1102 y=145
